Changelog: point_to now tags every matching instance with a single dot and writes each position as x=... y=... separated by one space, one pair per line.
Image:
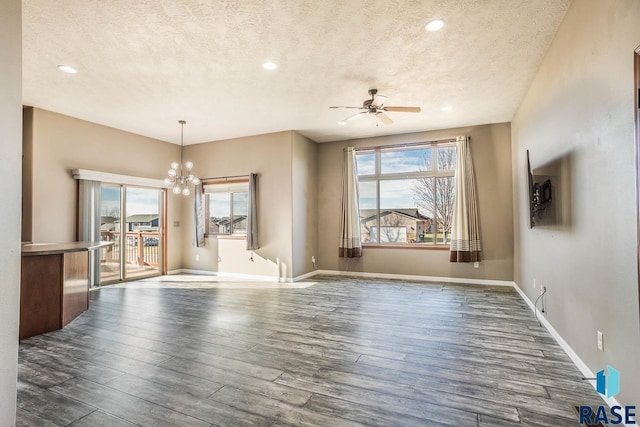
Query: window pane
x=398 y=161
x=366 y=163
x=413 y=210
x=444 y=208
x=446 y=158
x=402 y=219
x=368 y=211
x=425 y=196
x=240 y=201
x=219 y=212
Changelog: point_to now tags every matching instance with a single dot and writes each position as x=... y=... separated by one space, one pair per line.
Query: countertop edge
x=60 y=248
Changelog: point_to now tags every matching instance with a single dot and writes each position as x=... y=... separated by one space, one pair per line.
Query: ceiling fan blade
x=384 y=118
x=341 y=106
x=403 y=109
x=379 y=100
x=355 y=116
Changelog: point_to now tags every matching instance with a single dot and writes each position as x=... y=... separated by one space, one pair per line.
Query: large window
x=226 y=208
x=407 y=193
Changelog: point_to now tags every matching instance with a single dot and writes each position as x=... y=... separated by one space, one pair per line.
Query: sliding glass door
x=132 y=218
x=110 y=207
x=142 y=249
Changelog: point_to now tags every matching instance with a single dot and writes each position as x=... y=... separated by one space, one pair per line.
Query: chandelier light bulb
x=188 y=165
x=176 y=189
x=195 y=181
x=175 y=165
x=186 y=191
x=172 y=173
x=168 y=181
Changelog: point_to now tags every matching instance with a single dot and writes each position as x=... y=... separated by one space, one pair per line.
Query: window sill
x=422 y=248
x=226 y=236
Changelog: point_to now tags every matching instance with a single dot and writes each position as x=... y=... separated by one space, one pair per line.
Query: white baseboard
x=306 y=276
x=415 y=278
x=584 y=369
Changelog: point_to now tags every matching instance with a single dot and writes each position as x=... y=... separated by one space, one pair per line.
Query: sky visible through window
x=418 y=160
x=219 y=204
x=139 y=200
x=394 y=194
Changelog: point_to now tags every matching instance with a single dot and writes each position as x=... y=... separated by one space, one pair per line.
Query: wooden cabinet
x=40 y=294
x=54 y=286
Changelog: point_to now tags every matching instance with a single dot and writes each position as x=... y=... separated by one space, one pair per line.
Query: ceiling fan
x=376 y=106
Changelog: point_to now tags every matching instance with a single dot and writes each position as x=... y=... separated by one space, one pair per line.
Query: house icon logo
x=608 y=384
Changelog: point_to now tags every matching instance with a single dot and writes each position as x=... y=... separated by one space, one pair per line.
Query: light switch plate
x=600 y=341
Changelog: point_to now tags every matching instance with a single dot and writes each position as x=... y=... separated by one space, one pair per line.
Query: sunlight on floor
x=191 y=281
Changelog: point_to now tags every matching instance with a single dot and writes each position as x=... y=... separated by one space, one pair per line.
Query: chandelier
x=180 y=175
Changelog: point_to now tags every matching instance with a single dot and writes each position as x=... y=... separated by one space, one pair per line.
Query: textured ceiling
x=145 y=64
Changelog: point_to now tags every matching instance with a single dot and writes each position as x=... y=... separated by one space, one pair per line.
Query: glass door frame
x=122 y=236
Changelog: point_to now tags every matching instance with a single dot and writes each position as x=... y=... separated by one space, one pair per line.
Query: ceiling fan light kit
x=376 y=106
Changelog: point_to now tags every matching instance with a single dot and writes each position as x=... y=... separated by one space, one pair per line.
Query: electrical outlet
x=476 y=264
x=313 y=259
x=600 y=341
x=197 y=257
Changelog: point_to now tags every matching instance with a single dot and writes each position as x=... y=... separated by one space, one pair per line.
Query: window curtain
x=350 y=243
x=252 y=214
x=89 y=221
x=198 y=217
x=465 y=234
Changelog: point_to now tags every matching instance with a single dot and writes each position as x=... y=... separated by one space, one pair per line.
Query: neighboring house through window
x=406 y=193
x=226 y=208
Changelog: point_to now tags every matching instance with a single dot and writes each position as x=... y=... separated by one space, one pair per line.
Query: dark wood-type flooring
x=178 y=351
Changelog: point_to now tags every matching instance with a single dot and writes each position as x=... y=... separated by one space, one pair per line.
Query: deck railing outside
x=141 y=247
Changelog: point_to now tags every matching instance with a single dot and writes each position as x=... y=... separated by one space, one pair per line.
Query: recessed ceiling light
x=67 y=69
x=434 y=25
x=269 y=65
x=342 y=123
x=447 y=108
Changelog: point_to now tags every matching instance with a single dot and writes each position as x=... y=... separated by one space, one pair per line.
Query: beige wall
x=10 y=185
x=62 y=143
x=270 y=156
x=579 y=114
x=305 y=227
x=491 y=151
